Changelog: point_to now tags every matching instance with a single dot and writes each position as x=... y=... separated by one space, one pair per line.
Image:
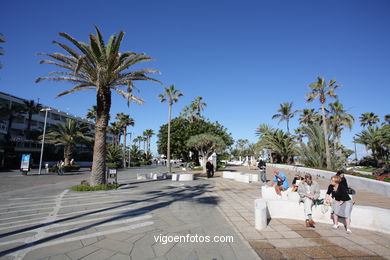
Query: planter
x=182 y=177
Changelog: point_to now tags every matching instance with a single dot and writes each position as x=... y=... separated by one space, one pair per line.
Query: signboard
x=24 y=166
x=112 y=176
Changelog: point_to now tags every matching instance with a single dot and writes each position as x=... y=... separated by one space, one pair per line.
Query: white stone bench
x=142 y=176
x=182 y=177
x=288 y=206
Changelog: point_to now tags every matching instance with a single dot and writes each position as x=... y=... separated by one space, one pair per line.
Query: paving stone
x=379 y=250
x=337 y=251
x=359 y=251
x=269 y=254
x=315 y=252
x=326 y=233
x=340 y=241
x=82 y=252
x=297 y=227
x=119 y=256
x=290 y=234
x=281 y=228
x=307 y=234
x=59 y=257
x=53 y=250
x=293 y=253
x=281 y=243
x=271 y=235
x=100 y=254
x=260 y=244
x=117 y=246
x=302 y=242
x=142 y=252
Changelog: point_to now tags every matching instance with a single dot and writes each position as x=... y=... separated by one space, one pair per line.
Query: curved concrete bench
x=371 y=218
x=182 y=177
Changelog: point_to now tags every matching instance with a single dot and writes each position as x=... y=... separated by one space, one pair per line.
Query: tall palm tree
x=285 y=113
x=68 y=135
x=198 y=106
x=172 y=96
x=104 y=68
x=387 y=119
x=31 y=109
x=185 y=112
x=339 y=119
x=308 y=116
x=369 y=119
x=138 y=140
x=116 y=129
x=322 y=90
x=92 y=113
x=124 y=122
x=148 y=133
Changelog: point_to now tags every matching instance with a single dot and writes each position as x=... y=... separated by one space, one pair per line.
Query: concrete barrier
x=379 y=187
x=182 y=177
x=261 y=217
x=268 y=192
x=239 y=176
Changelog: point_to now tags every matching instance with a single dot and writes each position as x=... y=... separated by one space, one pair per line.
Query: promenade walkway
x=290 y=239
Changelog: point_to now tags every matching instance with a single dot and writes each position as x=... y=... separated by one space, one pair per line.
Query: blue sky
x=243 y=57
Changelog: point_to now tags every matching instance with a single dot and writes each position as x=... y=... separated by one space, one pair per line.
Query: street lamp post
x=43 y=138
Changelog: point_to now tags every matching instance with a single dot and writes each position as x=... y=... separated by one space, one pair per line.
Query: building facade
x=19 y=127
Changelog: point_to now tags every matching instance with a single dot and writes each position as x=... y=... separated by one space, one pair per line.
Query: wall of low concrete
x=379 y=187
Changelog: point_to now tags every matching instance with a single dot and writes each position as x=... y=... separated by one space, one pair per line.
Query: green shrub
x=146 y=162
x=114 y=164
x=87 y=187
x=221 y=165
x=191 y=164
x=199 y=168
x=70 y=168
x=135 y=164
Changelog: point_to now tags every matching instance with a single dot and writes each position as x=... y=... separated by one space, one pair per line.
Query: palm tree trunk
x=98 y=174
x=288 y=129
x=204 y=161
x=169 y=139
x=328 y=163
x=124 y=147
x=68 y=150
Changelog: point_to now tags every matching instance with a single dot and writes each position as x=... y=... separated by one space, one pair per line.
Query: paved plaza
x=44 y=220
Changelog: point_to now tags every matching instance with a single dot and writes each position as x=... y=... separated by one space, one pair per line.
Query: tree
x=92 y=113
x=148 y=133
x=181 y=132
x=387 y=119
x=172 y=96
x=68 y=135
x=280 y=145
x=198 y=106
x=104 y=68
x=313 y=152
x=369 y=119
x=323 y=90
x=116 y=130
x=138 y=140
x=114 y=153
x=206 y=145
x=339 y=119
x=31 y=108
x=124 y=122
x=308 y=116
x=2 y=39
x=285 y=113
x=374 y=138
x=242 y=145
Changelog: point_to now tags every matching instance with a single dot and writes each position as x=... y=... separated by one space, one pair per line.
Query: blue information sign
x=24 y=166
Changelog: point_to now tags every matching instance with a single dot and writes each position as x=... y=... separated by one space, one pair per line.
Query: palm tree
x=148 y=133
x=68 y=135
x=116 y=130
x=198 y=106
x=308 y=116
x=172 y=96
x=285 y=113
x=124 y=122
x=92 y=113
x=372 y=138
x=185 y=112
x=368 y=119
x=387 y=119
x=323 y=90
x=138 y=140
x=31 y=109
x=338 y=119
x=101 y=67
